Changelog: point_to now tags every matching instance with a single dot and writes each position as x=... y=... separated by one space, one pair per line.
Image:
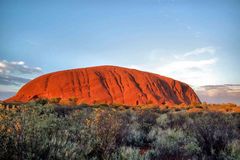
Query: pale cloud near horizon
x=219 y=93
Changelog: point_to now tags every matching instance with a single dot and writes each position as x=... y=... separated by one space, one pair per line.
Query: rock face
x=107 y=84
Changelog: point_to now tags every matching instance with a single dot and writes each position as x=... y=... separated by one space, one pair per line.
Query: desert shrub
x=173 y=120
x=135 y=136
x=72 y=101
x=147 y=119
x=37 y=102
x=139 y=125
x=63 y=110
x=106 y=127
x=172 y=144
x=129 y=153
x=165 y=110
x=54 y=100
x=214 y=132
x=162 y=120
x=131 y=130
x=57 y=146
x=41 y=101
x=178 y=120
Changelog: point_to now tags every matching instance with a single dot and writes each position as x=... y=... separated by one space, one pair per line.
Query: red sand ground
x=107 y=84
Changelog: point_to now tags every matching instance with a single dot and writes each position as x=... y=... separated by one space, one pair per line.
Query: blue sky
x=193 y=41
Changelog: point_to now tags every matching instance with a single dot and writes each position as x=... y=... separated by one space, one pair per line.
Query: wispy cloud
x=15 y=72
x=198 y=51
x=188 y=67
x=203 y=50
x=12 y=80
x=17 y=67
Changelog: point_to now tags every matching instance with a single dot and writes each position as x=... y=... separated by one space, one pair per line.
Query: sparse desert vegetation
x=43 y=130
